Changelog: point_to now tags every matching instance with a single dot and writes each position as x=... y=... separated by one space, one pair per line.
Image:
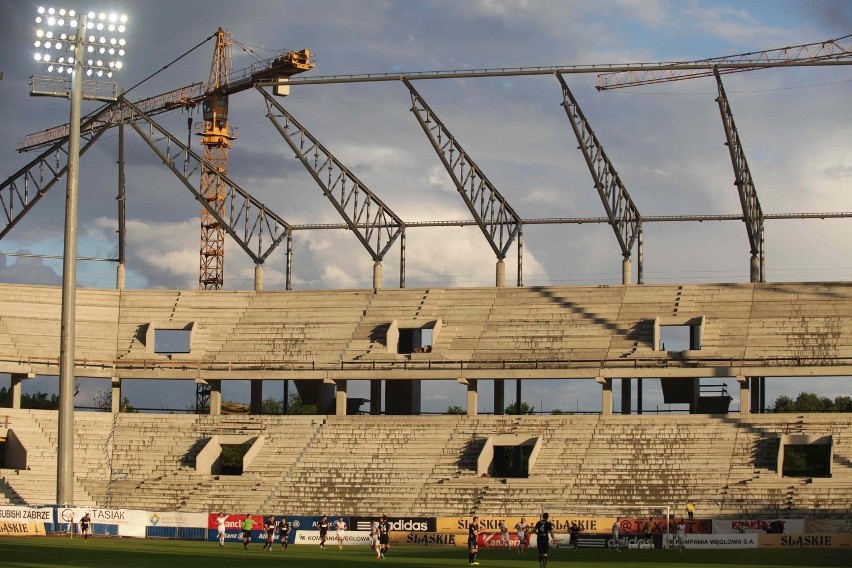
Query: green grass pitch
x=48 y=552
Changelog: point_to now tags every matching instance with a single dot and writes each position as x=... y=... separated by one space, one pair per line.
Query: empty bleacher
x=416 y=465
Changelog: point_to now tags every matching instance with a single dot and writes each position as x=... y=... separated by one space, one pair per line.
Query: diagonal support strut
x=366 y=215
x=752 y=212
x=249 y=222
x=622 y=213
x=495 y=217
x=25 y=188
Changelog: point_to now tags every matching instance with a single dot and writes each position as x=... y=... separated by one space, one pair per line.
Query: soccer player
x=270 y=527
x=374 y=538
x=248 y=523
x=574 y=533
x=615 y=539
x=504 y=535
x=323 y=528
x=472 y=544
x=220 y=527
x=522 y=527
x=284 y=532
x=680 y=536
x=384 y=536
x=544 y=534
x=340 y=527
x=86 y=526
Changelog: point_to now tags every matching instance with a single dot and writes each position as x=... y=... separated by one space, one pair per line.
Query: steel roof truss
x=366 y=215
x=752 y=212
x=495 y=217
x=246 y=215
x=623 y=215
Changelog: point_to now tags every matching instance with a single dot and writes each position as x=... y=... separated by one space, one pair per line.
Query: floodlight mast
x=76 y=41
x=65 y=452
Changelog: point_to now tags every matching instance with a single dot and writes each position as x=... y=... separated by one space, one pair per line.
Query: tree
x=271 y=406
x=103 y=401
x=455 y=410
x=810 y=402
x=296 y=406
x=524 y=409
x=38 y=400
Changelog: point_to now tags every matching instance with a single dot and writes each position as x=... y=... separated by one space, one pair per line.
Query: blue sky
x=665 y=140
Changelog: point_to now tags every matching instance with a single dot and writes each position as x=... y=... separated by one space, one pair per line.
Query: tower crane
x=215 y=132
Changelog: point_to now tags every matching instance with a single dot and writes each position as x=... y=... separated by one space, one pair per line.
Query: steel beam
x=622 y=213
x=23 y=189
x=366 y=215
x=752 y=212
x=248 y=220
x=495 y=217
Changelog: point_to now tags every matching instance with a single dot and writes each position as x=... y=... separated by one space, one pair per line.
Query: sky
x=666 y=141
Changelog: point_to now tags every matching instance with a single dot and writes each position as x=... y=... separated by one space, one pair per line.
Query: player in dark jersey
x=473 y=541
x=323 y=528
x=384 y=536
x=270 y=526
x=86 y=526
x=544 y=535
x=284 y=532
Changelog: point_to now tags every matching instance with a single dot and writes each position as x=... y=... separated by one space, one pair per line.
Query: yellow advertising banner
x=429 y=539
x=20 y=528
x=561 y=523
x=824 y=540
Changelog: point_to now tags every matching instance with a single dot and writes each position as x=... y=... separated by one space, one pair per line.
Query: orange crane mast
x=216 y=136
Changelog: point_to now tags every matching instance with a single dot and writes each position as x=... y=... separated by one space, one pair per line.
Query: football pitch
x=48 y=552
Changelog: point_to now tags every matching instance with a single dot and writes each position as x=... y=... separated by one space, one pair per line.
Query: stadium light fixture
x=71 y=44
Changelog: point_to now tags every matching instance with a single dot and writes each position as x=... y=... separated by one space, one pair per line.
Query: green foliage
x=232 y=458
x=296 y=406
x=38 y=400
x=810 y=402
x=271 y=406
x=524 y=409
x=103 y=401
x=807 y=460
x=455 y=410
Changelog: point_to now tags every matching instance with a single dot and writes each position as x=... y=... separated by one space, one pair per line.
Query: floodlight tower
x=70 y=44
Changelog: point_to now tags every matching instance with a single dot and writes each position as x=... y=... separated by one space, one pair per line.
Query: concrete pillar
x=17 y=379
x=501 y=273
x=639 y=395
x=120 y=272
x=626 y=396
x=116 y=395
x=626 y=272
x=499 y=396
x=745 y=403
x=606 y=395
x=377 y=275
x=472 y=398
x=256 y=397
x=754 y=269
x=215 y=397
x=376 y=396
x=258 y=278
x=340 y=398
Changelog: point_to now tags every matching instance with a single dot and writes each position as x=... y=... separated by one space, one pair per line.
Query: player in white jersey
x=220 y=527
x=374 y=538
x=522 y=528
x=340 y=526
x=680 y=536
